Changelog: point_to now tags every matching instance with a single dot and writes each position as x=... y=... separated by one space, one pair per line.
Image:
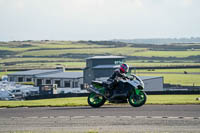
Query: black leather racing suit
x=117 y=74
x=115 y=77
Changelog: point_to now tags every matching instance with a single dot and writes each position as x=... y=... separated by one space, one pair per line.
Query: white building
x=49 y=77
x=62 y=79
x=152 y=83
x=29 y=76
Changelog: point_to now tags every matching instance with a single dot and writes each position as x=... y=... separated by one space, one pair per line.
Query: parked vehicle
x=130 y=90
x=6 y=95
x=17 y=92
x=24 y=91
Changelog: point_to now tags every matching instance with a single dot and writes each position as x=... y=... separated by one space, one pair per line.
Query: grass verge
x=82 y=101
x=178 y=79
x=172 y=99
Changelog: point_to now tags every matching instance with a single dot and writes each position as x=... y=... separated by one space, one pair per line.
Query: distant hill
x=50 y=54
x=160 y=40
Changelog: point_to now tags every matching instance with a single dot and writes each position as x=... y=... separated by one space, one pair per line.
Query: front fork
x=135 y=92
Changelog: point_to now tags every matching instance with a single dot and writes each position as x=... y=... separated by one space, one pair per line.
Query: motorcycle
x=127 y=90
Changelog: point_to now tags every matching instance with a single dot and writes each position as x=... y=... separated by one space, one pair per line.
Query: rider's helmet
x=124 y=68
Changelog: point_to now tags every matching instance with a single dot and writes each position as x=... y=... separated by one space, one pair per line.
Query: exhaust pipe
x=94 y=90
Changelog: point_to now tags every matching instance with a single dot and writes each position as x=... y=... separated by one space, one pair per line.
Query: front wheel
x=137 y=100
x=95 y=100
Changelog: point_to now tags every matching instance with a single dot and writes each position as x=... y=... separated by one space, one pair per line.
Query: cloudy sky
x=98 y=19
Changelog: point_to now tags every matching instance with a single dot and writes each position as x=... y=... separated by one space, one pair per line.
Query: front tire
x=137 y=100
x=95 y=100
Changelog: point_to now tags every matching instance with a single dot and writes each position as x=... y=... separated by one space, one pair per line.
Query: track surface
x=117 y=118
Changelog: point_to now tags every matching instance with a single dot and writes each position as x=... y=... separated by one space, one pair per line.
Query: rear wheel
x=137 y=100
x=95 y=100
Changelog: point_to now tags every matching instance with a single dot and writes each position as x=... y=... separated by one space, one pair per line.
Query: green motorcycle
x=130 y=90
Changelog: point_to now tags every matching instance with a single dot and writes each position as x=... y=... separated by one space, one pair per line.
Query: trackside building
x=101 y=67
x=97 y=68
x=49 y=77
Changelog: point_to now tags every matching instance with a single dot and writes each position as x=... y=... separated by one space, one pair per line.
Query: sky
x=98 y=19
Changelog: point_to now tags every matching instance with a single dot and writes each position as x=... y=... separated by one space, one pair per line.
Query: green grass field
x=167 y=53
x=190 y=70
x=17 y=47
x=178 y=79
x=94 y=50
x=43 y=54
x=82 y=101
x=172 y=99
x=50 y=54
x=126 y=51
x=159 y=64
x=174 y=76
x=40 y=60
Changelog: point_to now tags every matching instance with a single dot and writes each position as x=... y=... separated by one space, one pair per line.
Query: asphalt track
x=115 y=118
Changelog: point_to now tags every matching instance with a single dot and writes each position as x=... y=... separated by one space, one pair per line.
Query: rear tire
x=137 y=100
x=95 y=100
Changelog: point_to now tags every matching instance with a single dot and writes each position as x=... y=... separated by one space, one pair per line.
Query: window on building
x=12 y=79
x=39 y=82
x=17 y=90
x=48 y=82
x=28 y=79
x=20 y=79
x=57 y=82
x=67 y=84
x=75 y=84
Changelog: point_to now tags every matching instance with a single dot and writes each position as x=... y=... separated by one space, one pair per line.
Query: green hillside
x=49 y=54
x=43 y=54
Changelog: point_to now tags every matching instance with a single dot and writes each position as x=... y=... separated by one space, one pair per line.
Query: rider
x=118 y=74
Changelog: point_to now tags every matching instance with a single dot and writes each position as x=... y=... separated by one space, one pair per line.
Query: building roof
x=106 y=57
x=32 y=72
x=62 y=75
x=106 y=66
